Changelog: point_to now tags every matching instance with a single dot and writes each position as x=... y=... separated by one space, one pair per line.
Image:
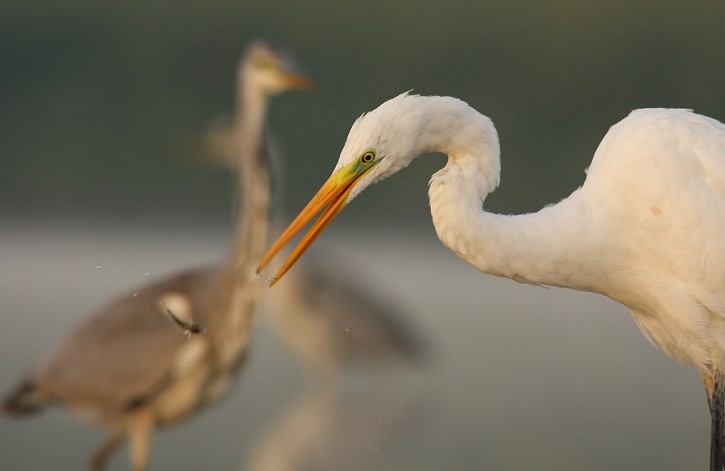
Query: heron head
x=272 y=70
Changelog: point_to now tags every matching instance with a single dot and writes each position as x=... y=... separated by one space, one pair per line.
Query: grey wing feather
x=121 y=354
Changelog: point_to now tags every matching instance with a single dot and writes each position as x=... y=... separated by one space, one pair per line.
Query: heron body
x=644 y=229
x=329 y=323
x=129 y=367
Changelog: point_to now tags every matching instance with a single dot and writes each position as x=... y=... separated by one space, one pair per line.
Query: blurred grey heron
x=128 y=367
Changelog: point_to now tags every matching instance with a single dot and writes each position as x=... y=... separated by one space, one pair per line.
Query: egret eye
x=367 y=157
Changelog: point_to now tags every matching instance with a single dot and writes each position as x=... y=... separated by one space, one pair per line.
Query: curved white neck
x=555 y=246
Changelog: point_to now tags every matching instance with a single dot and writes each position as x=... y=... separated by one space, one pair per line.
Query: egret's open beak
x=329 y=201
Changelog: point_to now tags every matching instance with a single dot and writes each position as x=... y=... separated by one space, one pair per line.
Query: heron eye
x=367 y=157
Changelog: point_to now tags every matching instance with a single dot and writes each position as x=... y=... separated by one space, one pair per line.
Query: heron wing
x=328 y=320
x=122 y=353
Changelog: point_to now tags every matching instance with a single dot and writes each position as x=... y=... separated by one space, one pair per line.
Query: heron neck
x=555 y=246
x=254 y=181
x=239 y=290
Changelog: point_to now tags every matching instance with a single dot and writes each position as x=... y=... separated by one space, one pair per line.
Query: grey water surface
x=517 y=377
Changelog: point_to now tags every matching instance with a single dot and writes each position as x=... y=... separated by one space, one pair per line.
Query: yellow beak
x=298 y=81
x=328 y=201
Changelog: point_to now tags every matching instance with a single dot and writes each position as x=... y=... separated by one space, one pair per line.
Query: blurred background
x=103 y=184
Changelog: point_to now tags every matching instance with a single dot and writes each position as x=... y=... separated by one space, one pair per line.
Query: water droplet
x=99 y=266
x=146 y=273
x=135 y=294
x=347 y=330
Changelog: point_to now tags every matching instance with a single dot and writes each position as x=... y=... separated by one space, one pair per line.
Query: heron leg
x=716 y=400
x=139 y=428
x=100 y=457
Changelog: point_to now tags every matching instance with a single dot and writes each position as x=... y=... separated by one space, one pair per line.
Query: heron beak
x=328 y=202
x=294 y=76
x=298 y=81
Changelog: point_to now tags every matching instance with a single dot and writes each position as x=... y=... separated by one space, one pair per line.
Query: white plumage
x=645 y=228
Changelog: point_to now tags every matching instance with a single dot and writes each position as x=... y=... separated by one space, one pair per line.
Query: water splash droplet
x=135 y=294
x=146 y=273
x=99 y=266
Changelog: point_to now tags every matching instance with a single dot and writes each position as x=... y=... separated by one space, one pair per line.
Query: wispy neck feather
x=534 y=248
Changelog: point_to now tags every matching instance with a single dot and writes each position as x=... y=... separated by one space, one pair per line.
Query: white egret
x=645 y=228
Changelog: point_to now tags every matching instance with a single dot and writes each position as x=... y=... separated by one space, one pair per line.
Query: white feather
x=645 y=228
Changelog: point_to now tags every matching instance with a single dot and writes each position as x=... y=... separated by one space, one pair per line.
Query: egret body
x=645 y=228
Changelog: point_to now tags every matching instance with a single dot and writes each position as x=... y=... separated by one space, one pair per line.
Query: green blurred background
x=102 y=109
x=102 y=104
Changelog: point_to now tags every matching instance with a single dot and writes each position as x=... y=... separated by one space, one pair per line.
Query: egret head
x=380 y=143
x=271 y=70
